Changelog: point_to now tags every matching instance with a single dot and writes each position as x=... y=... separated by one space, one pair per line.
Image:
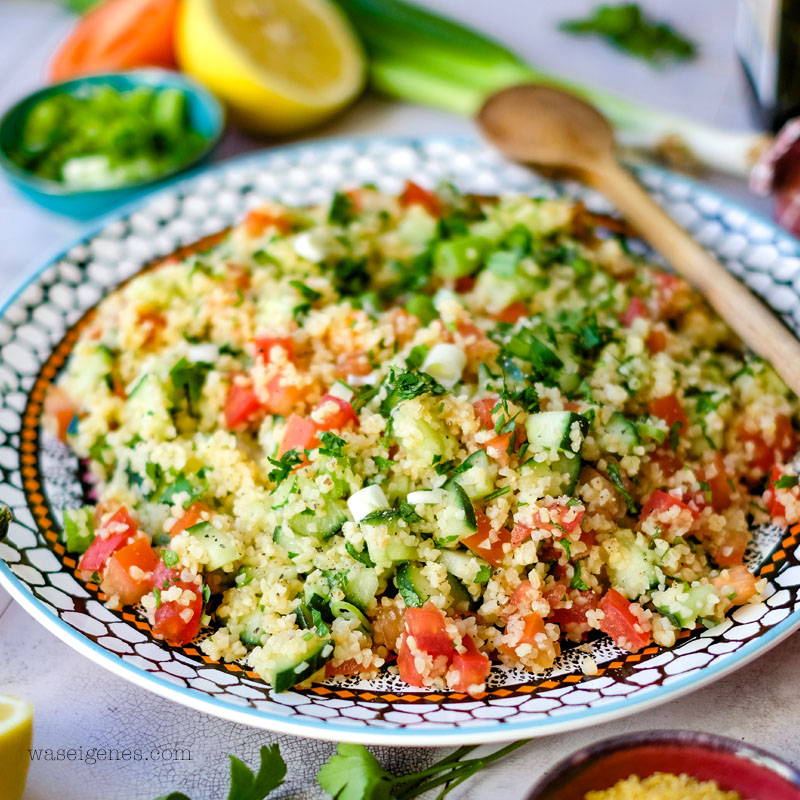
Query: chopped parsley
x=577 y=581
x=359 y=555
x=283 y=466
x=342 y=210
x=189 y=378
x=332 y=445
x=786 y=482
x=616 y=478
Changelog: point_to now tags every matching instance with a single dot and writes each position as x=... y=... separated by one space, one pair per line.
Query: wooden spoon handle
x=757 y=326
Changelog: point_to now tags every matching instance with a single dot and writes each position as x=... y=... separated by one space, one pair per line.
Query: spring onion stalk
x=418 y=56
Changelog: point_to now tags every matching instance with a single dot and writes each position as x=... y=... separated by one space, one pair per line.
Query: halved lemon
x=280 y=65
x=16 y=735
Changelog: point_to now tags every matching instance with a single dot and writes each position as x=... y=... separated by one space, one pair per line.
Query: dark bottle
x=768 y=44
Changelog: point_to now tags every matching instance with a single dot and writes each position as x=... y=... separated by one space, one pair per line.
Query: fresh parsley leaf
x=706 y=489
x=332 y=445
x=351 y=276
x=409 y=384
x=308 y=294
x=189 y=378
x=342 y=210
x=355 y=774
x=169 y=557
x=283 y=466
x=616 y=478
x=247 y=786
x=577 y=582
x=497 y=493
x=383 y=463
x=483 y=574
x=362 y=556
x=566 y=544
x=182 y=484
x=629 y=30
x=528 y=347
x=786 y=482
x=675 y=434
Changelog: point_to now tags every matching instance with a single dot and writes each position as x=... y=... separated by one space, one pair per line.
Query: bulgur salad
x=423 y=434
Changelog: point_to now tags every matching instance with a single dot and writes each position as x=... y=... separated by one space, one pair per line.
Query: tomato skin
x=495 y=553
x=119 y=35
x=635 y=309
x=656 y=341
x=117 y=578
x=259 y=219
x=730 y=552
x=473 y=667
x=405 y=663
x=427 y=626
x=98 y=552
x=414 y=194
x=738 y=579
x=348 y=667
x=670 y=410
x=264 y=345
x=619 y=622
x=300 y=435
x=582 y=603
x=340 y=418
x=483 y=411
x=559 y=520
x=281 y=398
x=721 y=491
x=513 y=313
x=532 y=627
x=190 y=517
x=782 y=448
x=241 y=405
x=168 y=623
x=661 y=501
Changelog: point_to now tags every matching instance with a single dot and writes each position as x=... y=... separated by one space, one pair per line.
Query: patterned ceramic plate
x=39 y=477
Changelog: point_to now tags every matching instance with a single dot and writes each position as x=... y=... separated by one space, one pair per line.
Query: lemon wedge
x=280 y=65
x=16 y=734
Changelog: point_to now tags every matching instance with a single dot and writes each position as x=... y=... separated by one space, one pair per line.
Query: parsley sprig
x=283 y=466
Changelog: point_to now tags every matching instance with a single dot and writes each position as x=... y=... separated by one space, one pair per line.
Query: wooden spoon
x=550 y=128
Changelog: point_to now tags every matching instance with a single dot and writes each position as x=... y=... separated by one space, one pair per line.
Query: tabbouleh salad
x=423 y=433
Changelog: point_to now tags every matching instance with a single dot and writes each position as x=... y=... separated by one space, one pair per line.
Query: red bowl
x=755 y=774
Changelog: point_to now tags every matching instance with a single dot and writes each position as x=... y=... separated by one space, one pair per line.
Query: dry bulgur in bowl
x=424 y=433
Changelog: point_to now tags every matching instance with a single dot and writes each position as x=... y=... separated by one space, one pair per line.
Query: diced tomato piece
x=353 y=363
x=656 y=341
x=739 y=581
x=282 y=398
x=483 y=411
x=621 y=624
x=670 y=410
x=119 y=528
x=59 y=407
x=476 y=342
x=259 y=219
x=427 y=626
x=414 y=194
x=533 y=626
x=776 y=508
x=497 y=448
x=190 y=517
x=300 y=435
x=338 y=418
x=672 y=294
x=264 y=345
x=730 y=550
x=718 y=485
x=406 y=665
x=668 y=463
x=178 y=624
x=241 y=405
x=513 y=313
x=582 y=603
x=635 y=309
x=555 y=594
x=558 y=517
x=127 y=573
x=163 y=576
x=492 y=552
x=473 y=668
x=348 y=667
x=661 y=501
x=519 y=533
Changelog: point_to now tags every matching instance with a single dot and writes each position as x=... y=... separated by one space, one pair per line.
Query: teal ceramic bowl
x=206 y=116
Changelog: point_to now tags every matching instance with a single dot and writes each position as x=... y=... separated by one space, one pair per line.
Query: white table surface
x=78 y=704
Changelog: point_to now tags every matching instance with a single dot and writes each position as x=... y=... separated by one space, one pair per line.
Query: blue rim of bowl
x=327 y=729
x=664 y=737
x=150 y=76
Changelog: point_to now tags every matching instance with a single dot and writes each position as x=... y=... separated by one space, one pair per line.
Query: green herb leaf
x=362 y=556
x=786 y=482
x=577 y=582
x=616 y=478
x=675 y=434
x=169 y=557
x=284 y=466
x=628 y=29
x=342 y=210
x=189 y=378
x=417 y=356
x=332 y=445
x=355 y=774
x=497 y=493
x=247 y=786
